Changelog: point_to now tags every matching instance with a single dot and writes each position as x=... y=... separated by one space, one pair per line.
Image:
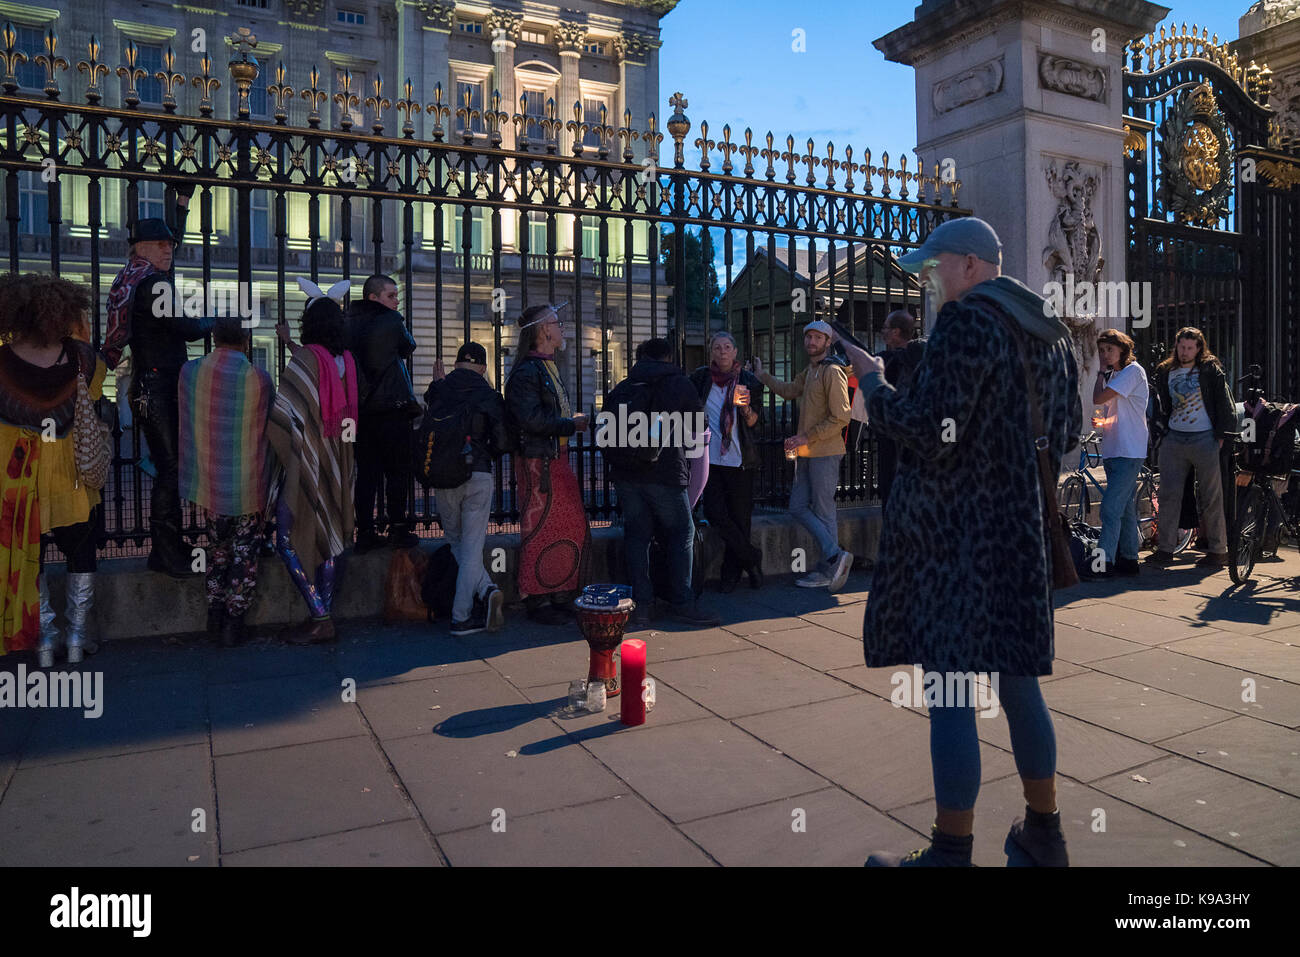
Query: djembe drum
x=602 y=626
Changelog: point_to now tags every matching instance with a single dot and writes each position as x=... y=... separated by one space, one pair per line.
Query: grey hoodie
x=1034 y=314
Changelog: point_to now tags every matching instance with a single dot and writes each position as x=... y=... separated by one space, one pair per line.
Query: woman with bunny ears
x=311 y=430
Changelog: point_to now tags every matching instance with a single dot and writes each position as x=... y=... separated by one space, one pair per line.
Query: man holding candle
x=963 y=584
x=817 y=450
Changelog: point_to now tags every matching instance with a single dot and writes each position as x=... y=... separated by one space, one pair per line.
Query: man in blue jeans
x=653 y=493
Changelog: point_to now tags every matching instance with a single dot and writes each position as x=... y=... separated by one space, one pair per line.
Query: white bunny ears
x=314 y=292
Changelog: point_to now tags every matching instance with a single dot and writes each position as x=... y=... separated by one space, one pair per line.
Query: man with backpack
x=901 y=356
x=462 y=432
x=651 y=422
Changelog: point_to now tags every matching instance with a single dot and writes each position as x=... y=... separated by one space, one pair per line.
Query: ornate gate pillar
x=1021 y=103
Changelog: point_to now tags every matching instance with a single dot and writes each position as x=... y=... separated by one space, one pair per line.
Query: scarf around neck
x=728 y=381
x=338 y=397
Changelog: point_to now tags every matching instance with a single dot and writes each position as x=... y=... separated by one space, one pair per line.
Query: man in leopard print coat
x=962 y=582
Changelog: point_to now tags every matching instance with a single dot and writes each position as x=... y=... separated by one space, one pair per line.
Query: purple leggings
x=320 y=596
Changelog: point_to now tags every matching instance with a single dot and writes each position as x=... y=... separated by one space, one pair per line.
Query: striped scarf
x=224 y=403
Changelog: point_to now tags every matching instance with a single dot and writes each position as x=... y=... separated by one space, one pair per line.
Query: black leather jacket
x=703 y=382
x=489 y=436
x=379 y=341
x=533 y=410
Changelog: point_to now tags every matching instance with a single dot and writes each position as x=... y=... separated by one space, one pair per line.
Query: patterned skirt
x=555 y=537
x=20 y=540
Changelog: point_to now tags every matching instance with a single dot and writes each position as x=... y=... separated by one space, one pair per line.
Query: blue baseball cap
x=965 y=236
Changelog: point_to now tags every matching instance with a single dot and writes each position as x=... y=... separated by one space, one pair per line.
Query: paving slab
x=1084 y=647
x=128 y=810
x=399 y=844
x=792 y=600
x=305 y=790
x=376 y=660
x=452 y=703
x=15 y=726
x=1083 y=751
x=1221 y=806
x=761 y=624
x=1203 y=603
x=541 y=664
x=1106 y=618
x=845 y=620
x=699 y=768
x=1132 y=837
x=876 y=751
x=748 y=682
x=827 y=828
x=622 y=831
x=1191 y=677
x=139 y=714
x=457 y=782
x=663 y=645
x=1245 y=746
x=274 y=712
x=1132 y=709
x=882 y=683
x=670 y=708
x=1257 y=655
x=268 y=657
x=814 y=646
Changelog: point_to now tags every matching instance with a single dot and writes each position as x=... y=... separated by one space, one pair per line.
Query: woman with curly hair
x=42 y=325
x=314 y=515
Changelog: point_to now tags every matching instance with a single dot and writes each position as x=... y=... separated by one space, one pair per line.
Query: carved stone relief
x=968 y=86
x=1063 y=75
x=1073 y=251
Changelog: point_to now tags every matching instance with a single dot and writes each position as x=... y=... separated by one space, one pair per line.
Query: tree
x=703 y=295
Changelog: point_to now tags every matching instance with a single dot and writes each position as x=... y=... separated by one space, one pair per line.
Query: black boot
x=169 y=554
x=232 y=631
x=944 y=851
x=1036 y=840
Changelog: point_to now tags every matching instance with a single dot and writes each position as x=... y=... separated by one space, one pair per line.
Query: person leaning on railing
x=42 y=323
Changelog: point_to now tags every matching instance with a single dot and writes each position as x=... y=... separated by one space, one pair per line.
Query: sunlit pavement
x=1176 y=700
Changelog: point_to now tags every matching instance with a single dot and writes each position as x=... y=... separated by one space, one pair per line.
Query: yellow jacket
x=823 y=393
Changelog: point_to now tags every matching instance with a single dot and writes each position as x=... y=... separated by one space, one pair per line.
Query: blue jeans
x=812 y=502
x=1119 y=516
x=665 y=511
x=464 y=513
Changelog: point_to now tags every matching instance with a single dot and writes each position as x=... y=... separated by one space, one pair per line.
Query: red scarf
x=728 y=381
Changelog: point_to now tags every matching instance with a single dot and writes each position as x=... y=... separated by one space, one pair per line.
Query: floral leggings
x=232 y=560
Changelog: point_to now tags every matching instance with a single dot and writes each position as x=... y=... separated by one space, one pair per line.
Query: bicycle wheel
x=1148 y=507
x=1074 y=499
x=1246 y=534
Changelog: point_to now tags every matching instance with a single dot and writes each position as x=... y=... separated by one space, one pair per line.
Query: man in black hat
x=145 y=312
x=381 y=344
x=465 y=397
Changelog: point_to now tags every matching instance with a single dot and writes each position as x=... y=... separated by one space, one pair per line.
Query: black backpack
x=1273 y=450
x=445 y=432
x=626 y=398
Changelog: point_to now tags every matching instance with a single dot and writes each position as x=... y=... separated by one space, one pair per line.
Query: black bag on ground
x=703 y=549
x=444 y=433
x=624 y=399
x=438 y=590
x=1083 y=541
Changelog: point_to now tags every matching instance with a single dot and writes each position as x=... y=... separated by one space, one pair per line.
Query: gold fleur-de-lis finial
x=867 y=171
x=811 y=162
x=830 y=165
x=496 y=118
x=282 y=91
x=791 y=157
x=704 y=144
x=652 y=137
x=170 y=79
x=726 y=148
x=132 y=73
x=576 y=127
x=52 y=62
x=849 y=168
x=749 y=151
x=521 y=122
x=377 y=103
x=346 y=100
x=314 y=96
x=206 y=83
x=627 y=135
x=466 y=114
x=439 y=111
x=407 y=107
x=885 y=173
x=904 y=177
x=93 y=69
x=551 y=125
x=11 y=57
x=604 y=132
x=771 y=154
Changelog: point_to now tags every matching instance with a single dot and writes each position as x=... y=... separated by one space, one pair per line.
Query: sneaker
x=692 y=614
x=1161 y=558
x=1036 y=840
x=495 y=617
x=1214 y=560
x=843 y=565
x=471 y=627
x=813 y=580
x=944 y=851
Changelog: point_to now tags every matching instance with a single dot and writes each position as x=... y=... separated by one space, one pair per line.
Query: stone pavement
x=771 y=743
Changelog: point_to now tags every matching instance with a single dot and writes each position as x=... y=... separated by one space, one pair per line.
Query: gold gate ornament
x=1196 y=158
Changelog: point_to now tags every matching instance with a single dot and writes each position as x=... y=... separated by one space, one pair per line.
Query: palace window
x=535 y=223
x=591 y=116
x=149 y=87
x=475 y=91
x=469 y=26
x=598 y=48
x=535 y=110
x=590 y=237
x=33 y=203
x=351 y=16
x=150 y=199
x=533 y=36
x=31 y=40
x=260 y=219
x=255 y=4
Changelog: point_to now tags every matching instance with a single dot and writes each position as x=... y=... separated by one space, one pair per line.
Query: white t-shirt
x=718 y=395
x=1188 y=413
x=1124 y=425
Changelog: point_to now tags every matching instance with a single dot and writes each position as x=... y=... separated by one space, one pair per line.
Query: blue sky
x=733 y=61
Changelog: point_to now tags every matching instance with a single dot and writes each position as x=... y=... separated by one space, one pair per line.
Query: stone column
x=1022 y=104
x=504 y=28
x=569 y=38
x=1270 y=36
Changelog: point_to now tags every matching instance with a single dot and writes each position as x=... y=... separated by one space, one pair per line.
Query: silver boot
x=51 y=639
x=81 y=599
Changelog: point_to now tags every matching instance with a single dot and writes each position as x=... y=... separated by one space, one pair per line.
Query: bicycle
x=1075 y=500
x=1268 y=504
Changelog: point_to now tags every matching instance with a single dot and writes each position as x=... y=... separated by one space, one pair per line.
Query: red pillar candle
x=632 y=708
